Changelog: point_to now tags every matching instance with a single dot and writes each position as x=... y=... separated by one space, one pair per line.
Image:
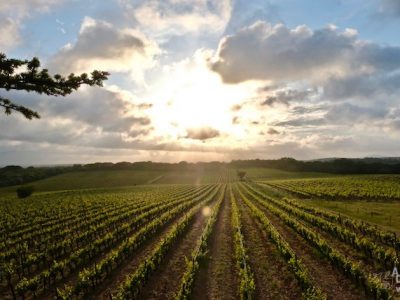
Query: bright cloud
x=14 y=13
x=10 y=36
x=102 y=46
x=181 y=16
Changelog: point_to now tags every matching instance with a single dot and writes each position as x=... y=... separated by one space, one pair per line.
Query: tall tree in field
x=27 y=75
x=241 y=175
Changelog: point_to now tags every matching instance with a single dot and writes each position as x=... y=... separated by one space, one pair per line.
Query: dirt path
x=218 y=278
x=166 y=280
x=273 y=278
x=324 y=275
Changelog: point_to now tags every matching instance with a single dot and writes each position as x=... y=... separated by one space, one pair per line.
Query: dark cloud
x=145 y=105
x=203 y=133
x=236 y=120
x=302 y=121
x=301 y=110
x=272 y=131
x=271 y=100
x=286 y=96
x=236 y=107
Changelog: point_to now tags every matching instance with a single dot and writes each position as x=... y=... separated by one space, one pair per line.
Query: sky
x=202 y=80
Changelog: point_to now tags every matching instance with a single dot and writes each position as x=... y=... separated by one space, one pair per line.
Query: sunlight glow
x=191 y=96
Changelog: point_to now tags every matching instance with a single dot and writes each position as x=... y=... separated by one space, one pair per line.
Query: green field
x=368 y=187
x=199 y=234
x=120 y=178
x=274 y=174
x=385 y=214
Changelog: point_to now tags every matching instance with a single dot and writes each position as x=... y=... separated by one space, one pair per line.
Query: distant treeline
x=13 y=175
x=337 y=165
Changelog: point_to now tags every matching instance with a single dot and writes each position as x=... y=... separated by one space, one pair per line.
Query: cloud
x=366 y=87
x=302 y=122
x=350 y=113
x=177 y=17
x=12 y=16
x=357 y=116
x=286 y=96
x=276 y=52
x=246 y=12
x=325 y=142
x=390 y=8
x=102 y=46
x=236 y=107
x=235 y=120
x=272 y=131
x=91 y=116
x=24 y=8
x=10 y=36
x=203 y=133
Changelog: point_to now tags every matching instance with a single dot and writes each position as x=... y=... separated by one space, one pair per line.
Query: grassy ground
x=385 y=214
x=120 y=178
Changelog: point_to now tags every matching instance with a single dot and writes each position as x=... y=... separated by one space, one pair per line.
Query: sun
x=192 y=96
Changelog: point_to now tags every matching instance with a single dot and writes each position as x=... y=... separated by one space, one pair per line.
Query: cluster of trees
x=13 y=175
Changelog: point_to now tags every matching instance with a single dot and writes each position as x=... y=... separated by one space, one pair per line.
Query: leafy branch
x=27 y=75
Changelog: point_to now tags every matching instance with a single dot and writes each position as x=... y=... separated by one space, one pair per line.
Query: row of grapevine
x=371 y=285
x=296 y=266
x=82 y=256
x=46 y=210
x=70 y=245
x=247 y=284
x=51 y=230
x=385 y=256
x=89 y=278
x=382 y=236
x=199 y=253
x=133 y=283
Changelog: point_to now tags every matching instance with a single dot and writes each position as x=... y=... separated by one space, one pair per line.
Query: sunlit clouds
x=207 y=80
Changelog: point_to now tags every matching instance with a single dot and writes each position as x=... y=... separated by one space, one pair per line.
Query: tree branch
x=34 y=79
x=9 y=107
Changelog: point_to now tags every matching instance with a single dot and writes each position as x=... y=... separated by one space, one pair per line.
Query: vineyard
x=212 y=238
x=348 y=187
